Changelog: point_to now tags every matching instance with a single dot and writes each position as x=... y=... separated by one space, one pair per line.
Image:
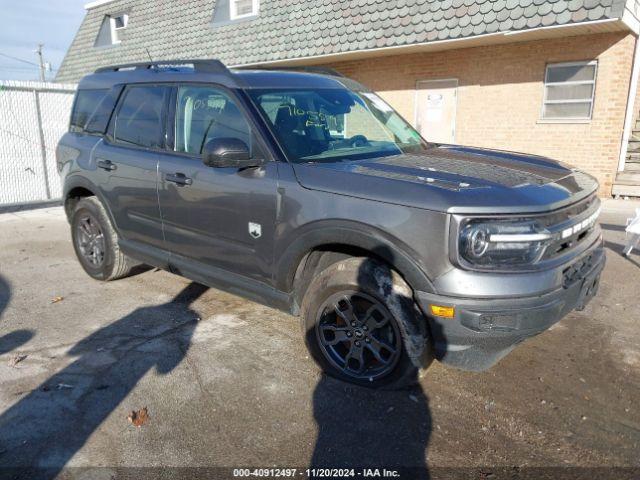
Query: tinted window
x=205 y=113
x=99 y=119
x=84 y=106
x=314 y=125
x=139 y=119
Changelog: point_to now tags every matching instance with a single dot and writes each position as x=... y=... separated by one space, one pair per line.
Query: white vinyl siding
x=569 y=90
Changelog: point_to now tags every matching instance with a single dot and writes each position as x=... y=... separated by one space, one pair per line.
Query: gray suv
x=305 y=191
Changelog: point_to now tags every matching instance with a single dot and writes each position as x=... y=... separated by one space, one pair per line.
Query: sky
x=25 y=23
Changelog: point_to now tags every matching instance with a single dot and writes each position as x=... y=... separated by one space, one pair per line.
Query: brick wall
x=500 y=95
x=636 y=114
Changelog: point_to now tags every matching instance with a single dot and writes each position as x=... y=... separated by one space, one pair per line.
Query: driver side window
x=205 y=113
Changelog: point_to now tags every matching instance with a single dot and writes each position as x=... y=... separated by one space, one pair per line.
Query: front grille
x=577 y=271
x=569 y=218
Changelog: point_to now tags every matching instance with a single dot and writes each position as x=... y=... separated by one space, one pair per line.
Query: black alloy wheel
x=95 y=241
x=90 y=240
x=358 y=335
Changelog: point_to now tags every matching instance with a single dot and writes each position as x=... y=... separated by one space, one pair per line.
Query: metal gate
x=33 y=117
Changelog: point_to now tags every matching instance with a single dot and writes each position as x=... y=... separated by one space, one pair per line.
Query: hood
x=454 y=179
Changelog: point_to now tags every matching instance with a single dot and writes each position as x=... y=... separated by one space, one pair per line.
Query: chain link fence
x=33 y=117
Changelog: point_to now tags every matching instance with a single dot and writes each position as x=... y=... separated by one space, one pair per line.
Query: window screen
x=118 y=24
x=243 y=8
x=139 y=119
x=206 y=113
x=111 y=30
x=83 y=107
x=569 y=91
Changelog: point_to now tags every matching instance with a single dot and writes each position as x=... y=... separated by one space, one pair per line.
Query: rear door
x=127 y=161
x=216 y=217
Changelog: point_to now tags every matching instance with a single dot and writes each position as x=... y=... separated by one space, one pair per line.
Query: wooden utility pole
x=41 y=62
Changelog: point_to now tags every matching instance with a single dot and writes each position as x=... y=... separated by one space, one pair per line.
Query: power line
x=18 y=67
x=21 y=69
x=18 y=59
x=42 y=66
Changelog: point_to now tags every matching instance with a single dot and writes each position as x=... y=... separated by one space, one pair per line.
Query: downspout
x=630 y=114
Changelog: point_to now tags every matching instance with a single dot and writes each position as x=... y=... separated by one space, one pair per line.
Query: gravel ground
x=228 y=383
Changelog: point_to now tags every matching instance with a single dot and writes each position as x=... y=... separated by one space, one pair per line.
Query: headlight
x=502 y=243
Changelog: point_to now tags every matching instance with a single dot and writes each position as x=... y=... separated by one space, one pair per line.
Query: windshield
x=315 y=125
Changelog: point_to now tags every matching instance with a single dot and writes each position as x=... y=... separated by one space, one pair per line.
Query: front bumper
x=484 y=330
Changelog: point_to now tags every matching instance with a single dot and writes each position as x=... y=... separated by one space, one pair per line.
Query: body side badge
x=255 y=230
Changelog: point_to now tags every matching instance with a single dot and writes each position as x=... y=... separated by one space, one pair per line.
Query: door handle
x=178 y=179
x=107 y=165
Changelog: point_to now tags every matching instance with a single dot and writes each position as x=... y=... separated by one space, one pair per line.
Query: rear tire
x=361 y=325
x=95 y=242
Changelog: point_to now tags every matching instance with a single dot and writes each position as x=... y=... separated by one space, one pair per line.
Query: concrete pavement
x=228 y=382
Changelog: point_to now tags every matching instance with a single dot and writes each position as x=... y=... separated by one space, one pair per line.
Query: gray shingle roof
x=285 y=29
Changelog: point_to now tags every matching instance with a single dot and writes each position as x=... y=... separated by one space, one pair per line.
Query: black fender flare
x=352 y=234
x=78 y=181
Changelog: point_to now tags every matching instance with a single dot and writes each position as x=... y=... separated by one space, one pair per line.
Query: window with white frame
x=118 y=23
x=243 y=8
x=569 y=90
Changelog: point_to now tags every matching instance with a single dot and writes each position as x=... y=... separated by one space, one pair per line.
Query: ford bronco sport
x=304 y=190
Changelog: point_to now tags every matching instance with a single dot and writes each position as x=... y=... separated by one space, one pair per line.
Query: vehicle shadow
x=13 y=340
x=618 y=249
x=56 y=419
x=5 y=294
x=364 y=428
x=612 y=227
x=17 y=338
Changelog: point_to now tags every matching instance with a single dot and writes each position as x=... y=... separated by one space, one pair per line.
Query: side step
x=631 y=168
x=628 y=177
x=627 y=184
x=620 y=190
x=625 y=190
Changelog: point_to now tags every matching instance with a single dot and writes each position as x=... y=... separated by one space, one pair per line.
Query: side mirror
x=228 y=153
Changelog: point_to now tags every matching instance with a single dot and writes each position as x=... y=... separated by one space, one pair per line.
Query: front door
x=216 y=218
x=436 y=109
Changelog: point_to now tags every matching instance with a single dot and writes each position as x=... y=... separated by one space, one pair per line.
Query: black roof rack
x=302 y=68
x=201 y=65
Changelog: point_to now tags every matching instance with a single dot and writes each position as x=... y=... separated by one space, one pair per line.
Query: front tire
x=361 y=325
x=95 y=242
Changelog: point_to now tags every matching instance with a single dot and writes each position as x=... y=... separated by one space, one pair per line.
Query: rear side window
x=99 y=120
x=83 y=108
x=139 y=119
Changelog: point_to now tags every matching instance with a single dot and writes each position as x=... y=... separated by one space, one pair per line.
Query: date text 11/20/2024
x=315 y=472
